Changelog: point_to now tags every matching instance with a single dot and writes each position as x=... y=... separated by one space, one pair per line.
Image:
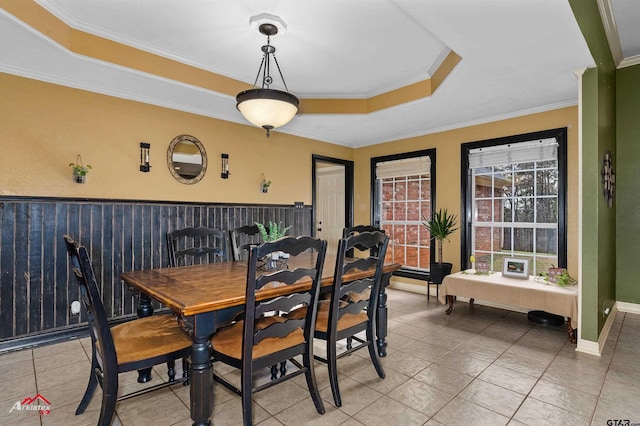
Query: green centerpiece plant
x=273 y=231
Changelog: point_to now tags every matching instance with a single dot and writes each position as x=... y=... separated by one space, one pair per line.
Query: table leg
x=449 y=299
x=571 y=331
x=201 y=380
x=201 y=392
x=381 y=317
x=145 y=309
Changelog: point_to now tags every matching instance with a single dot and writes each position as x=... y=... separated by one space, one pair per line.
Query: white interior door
x=330 y=208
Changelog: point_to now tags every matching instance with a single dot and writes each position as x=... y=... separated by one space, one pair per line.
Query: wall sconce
x=144 y=156
x=225 y=166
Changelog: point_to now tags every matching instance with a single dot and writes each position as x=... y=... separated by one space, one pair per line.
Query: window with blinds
x=403 y=197
x=516 y=202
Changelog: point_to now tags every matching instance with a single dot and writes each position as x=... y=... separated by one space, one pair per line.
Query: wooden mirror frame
x=170 y=164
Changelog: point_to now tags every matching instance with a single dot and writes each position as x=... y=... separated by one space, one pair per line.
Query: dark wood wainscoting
x=35 y=286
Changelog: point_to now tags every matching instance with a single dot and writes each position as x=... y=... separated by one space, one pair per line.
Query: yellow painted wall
x=44 y=126
x=447 y=145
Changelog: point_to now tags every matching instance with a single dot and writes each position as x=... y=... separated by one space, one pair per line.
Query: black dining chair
x=130 y=346
x=194 y=245
x=241 y=238
x=352 y=306
x=267 y=336
x=358 y=229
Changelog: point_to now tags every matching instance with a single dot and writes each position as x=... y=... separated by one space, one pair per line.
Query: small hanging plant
x=265 y=184
x=79 y=170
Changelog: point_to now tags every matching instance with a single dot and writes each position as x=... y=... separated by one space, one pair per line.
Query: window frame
x=466 y=187
x=375 y=202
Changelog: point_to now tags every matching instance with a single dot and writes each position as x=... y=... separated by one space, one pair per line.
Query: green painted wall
x=627 y=184
x=598 y=137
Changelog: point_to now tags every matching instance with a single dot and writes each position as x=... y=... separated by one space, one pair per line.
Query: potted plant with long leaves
x=440 y=226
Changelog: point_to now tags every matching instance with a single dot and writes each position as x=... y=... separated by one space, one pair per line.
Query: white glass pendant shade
x=267 y=108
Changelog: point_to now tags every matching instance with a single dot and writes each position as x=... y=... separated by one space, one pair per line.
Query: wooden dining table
x=206 y=297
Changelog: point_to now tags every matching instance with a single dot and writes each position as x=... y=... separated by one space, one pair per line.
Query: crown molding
x=611 y=30
x=630 y=61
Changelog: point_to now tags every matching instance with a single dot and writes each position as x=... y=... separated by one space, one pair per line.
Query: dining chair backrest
x=366 y=288
x=257 y=280
x=195 y=245
x=358 y=229
x=241 y=238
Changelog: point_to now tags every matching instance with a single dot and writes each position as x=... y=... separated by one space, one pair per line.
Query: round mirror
x=187 y=159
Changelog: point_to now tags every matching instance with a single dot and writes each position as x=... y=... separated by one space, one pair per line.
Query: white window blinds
x=404 y=167
x=522 y=152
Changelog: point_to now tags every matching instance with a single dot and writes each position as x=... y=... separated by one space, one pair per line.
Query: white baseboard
x=588 y=347
x=495 y=305
x=632 y=308
x=595 y=348
x=405 y=286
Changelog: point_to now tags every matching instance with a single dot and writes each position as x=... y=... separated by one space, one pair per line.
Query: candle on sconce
x=144 y=156
x=225 y=166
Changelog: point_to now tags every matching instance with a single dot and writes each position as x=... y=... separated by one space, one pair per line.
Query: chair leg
x=88 y=394
x=247 y=392
x=373 y=353
x=185 y=372
x=109 y=398
x=332 y=365
x=171 y=370
x=312 y=384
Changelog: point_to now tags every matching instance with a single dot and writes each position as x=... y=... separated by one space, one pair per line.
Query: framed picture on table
x=515 y=268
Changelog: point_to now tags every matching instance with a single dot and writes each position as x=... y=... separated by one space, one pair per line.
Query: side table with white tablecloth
x=524 y=293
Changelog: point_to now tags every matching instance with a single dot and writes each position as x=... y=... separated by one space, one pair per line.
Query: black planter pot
x=439 y=271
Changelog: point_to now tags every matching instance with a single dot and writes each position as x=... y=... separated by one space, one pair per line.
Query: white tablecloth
x=523 y=293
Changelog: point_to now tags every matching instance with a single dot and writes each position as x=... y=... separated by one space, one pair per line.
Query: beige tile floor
x=489 y=366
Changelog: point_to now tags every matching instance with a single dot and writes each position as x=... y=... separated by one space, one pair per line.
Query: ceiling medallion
x=265 y=107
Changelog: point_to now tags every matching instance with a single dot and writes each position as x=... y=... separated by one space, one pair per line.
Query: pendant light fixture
x=265 y=107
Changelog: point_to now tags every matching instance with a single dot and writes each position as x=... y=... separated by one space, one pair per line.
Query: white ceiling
x=518 y=56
